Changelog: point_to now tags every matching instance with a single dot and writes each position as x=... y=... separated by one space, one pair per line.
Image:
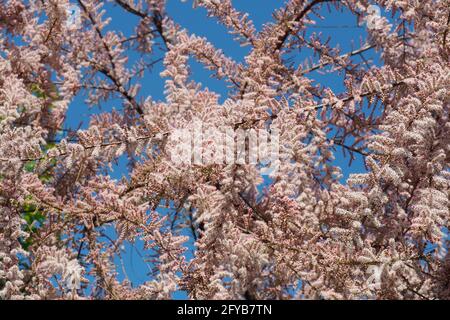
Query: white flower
x=72 y=274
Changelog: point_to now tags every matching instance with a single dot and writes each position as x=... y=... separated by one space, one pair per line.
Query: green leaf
x=30 y=165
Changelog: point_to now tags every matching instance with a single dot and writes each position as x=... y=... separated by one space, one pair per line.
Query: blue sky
x=340 y=26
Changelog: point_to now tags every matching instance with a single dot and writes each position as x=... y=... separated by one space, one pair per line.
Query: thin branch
x=111 y=73
x=282 y=39
x=346 y=55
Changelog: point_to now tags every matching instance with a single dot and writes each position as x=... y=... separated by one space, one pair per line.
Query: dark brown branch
x=106 y=72
x=282 y=39
x=156 y=19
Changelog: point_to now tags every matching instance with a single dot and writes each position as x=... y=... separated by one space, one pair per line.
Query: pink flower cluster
x=382 y=234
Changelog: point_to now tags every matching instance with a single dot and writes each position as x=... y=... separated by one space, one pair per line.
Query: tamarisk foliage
x=310 y=235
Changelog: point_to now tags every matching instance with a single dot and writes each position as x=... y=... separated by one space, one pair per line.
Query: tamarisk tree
x=303 y=233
